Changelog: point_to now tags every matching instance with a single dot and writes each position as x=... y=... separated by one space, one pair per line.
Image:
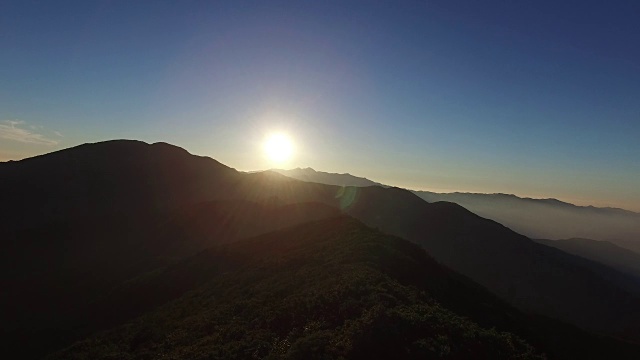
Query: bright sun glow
x=278 y=148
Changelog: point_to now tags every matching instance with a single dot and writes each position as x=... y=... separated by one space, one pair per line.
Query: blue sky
x=534 y=98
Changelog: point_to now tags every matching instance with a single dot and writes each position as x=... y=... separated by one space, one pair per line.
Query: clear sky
x=535 y=98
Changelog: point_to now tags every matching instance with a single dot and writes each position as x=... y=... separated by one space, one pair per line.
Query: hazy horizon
x=538 y=100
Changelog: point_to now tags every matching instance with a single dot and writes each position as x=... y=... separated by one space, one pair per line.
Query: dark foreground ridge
x=327 y=289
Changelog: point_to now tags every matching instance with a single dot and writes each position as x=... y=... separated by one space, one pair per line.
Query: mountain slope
x=602 y=252
x=311 y=175
x=529 y=275
x=80 y=221
x=130 y=175
x=56 y=279
x=136 y=210
x=548 y=218
x=535 y=218
x=330 y=289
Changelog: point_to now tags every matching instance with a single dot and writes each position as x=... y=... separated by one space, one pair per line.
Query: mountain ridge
x=154 y=186
x=346 y=176
x=344 y=248
x=344 y=179
x=601 y=251
x=549 y=200
x=537 y=218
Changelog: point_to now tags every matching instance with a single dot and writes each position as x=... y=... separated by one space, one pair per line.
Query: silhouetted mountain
x=535 y=218
x=83 y=221
x=328 y=289
x=56 y=273
x=633 y=245
x=603 y=252
x=80 y=221
x=533 y=277
x=549 y=218
x=310 y=175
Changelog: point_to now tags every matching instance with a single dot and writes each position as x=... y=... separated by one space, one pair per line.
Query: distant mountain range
x=535 y=218
x=603 y=252
x=178 y=255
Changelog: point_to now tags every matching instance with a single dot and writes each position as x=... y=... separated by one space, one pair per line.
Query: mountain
x=78 y=222
x=81 y=222
x=633 y=245
x=311 y=175
x=535 y=218
x=549 y=218
x=533 y=277
x=603 y=252
x=329 y=289
x=57 y=273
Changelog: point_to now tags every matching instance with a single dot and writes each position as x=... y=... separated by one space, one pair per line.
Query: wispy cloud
x=22 y=132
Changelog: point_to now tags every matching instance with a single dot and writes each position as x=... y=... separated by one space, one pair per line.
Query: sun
x=278 y=148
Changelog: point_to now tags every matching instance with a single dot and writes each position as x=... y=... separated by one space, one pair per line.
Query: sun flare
x=278 y=148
